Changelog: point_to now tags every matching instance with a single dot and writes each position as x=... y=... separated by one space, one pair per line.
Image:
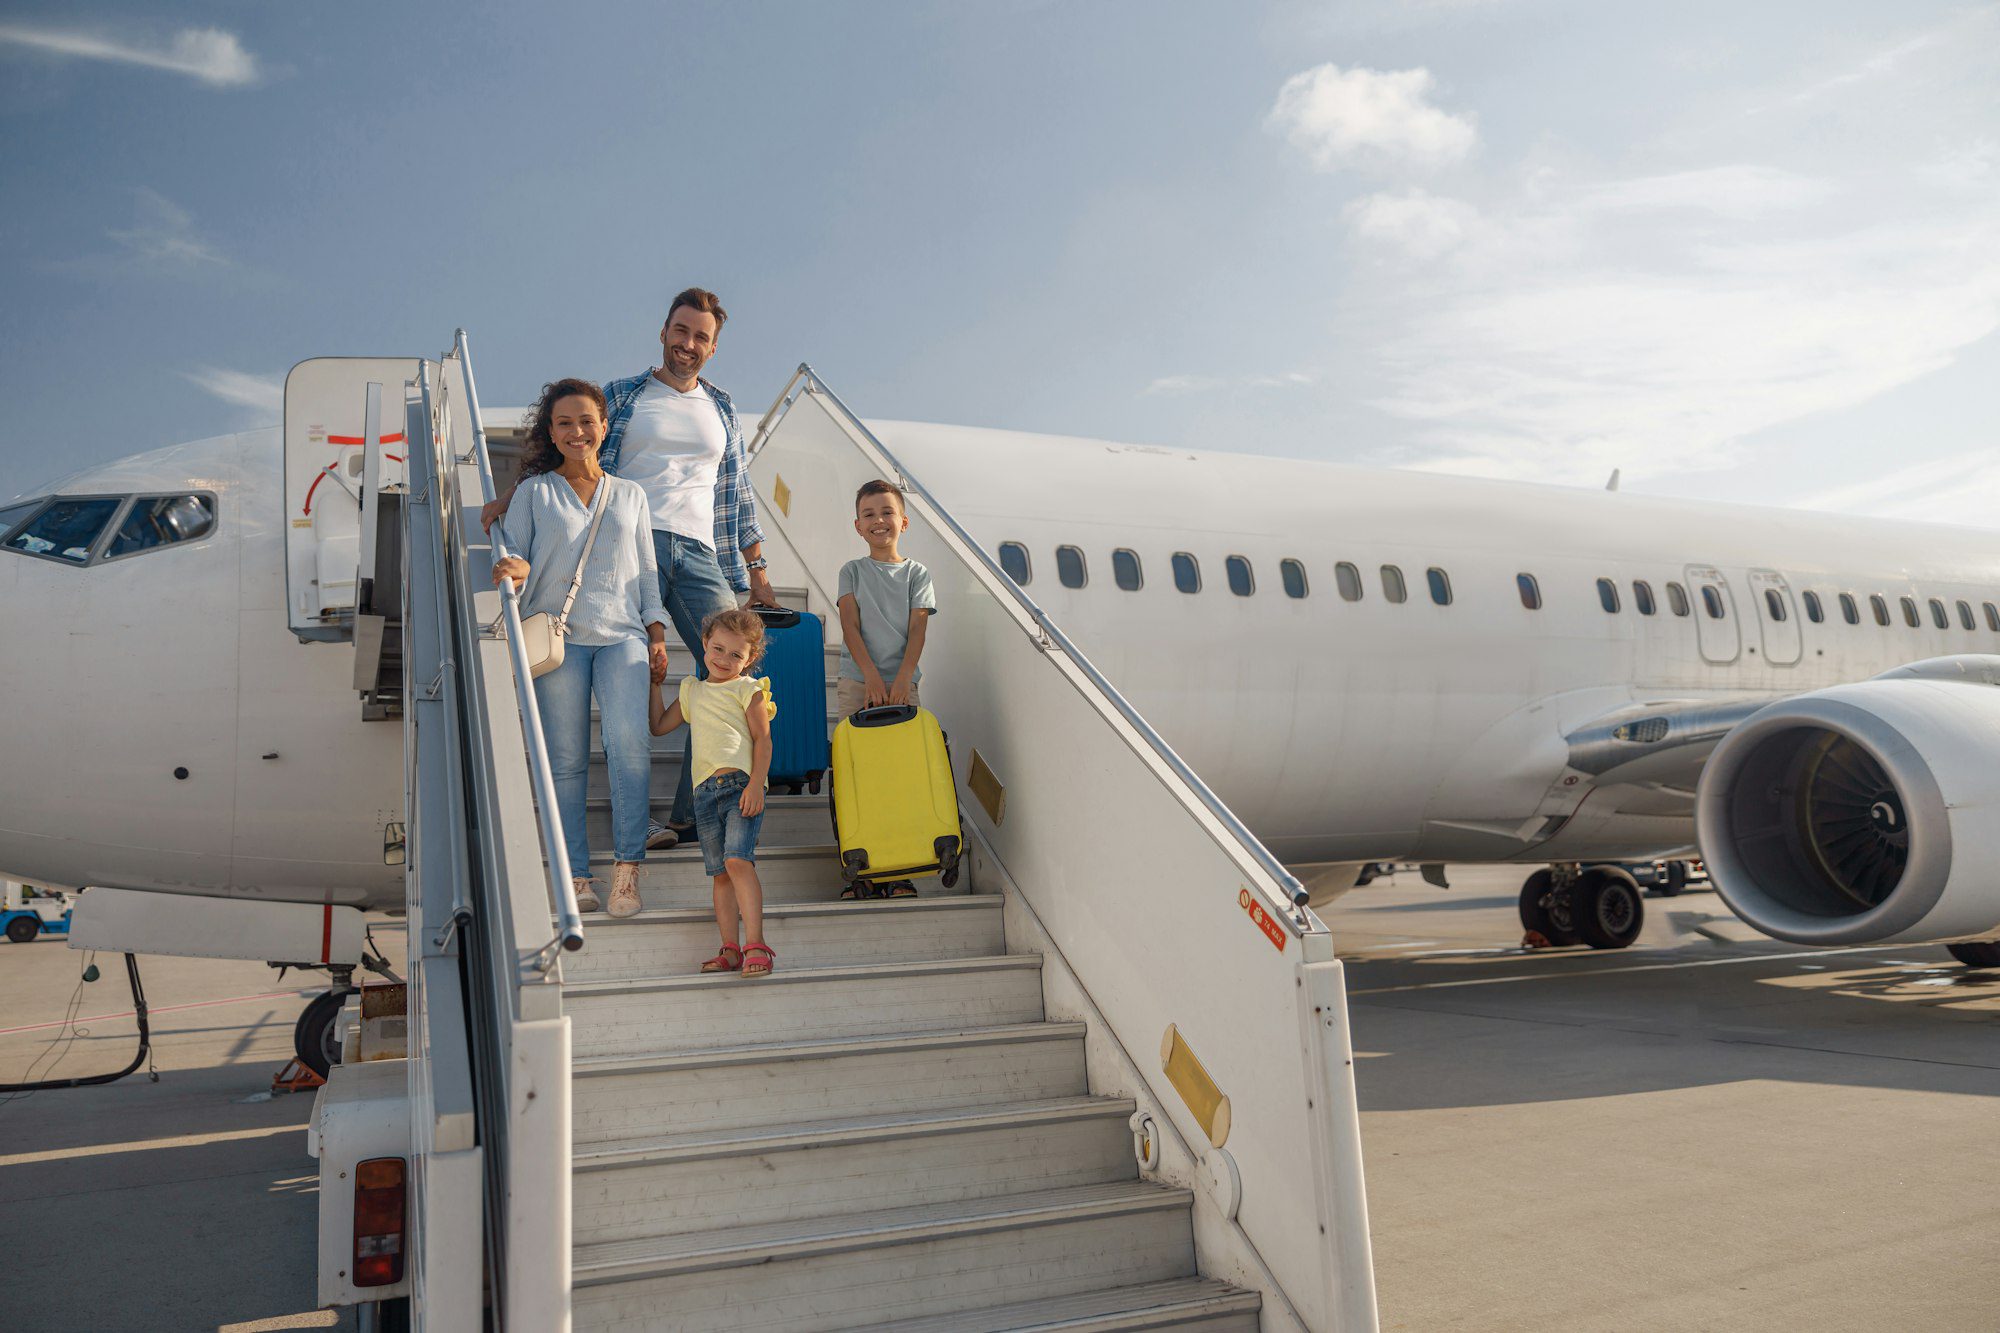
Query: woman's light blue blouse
x=546 y=524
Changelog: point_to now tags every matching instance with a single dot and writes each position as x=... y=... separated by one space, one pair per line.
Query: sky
x=1736 y=252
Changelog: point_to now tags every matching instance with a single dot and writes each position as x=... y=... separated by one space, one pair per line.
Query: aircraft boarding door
x=1778 y=616
x=1714 y=614
x=334 y=469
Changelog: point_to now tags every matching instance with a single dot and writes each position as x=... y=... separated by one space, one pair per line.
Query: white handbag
x=542 y=634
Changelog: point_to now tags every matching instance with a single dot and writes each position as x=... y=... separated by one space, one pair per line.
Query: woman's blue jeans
x=619 y=675
x=692 y=589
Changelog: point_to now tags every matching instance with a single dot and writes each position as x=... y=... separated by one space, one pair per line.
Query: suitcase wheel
x=812 y=784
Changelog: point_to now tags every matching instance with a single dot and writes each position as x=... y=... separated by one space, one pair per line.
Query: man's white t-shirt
x=672 y=447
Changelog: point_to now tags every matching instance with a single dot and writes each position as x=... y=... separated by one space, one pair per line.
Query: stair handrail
x=562 y=890
x=1297 y=920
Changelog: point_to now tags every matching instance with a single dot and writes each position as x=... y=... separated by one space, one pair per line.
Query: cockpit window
x=13 y=514
x=67 y=529
x=161 y=520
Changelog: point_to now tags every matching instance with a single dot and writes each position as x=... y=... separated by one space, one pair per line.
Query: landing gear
x=1977 y=953
x=1600 y=907
x=316 y=1036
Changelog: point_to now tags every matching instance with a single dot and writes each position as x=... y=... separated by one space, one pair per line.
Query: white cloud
x=207 y=55
x=1340 y=116
x=263 y=395
x=1422 y=224
x=161 y=239
x=1172 y=384
x=1963 y=488
x=1737 y=190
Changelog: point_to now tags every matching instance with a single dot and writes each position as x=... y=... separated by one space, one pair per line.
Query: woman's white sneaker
x=624 y=889
x=586 y=894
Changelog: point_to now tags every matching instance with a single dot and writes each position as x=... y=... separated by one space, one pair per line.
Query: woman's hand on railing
x=493 y=511
x=510 y=567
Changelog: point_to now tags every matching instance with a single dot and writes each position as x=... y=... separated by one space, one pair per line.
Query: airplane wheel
x=1609 y=912
x=1677 y=879
x=316 y=1037
x=1978 y=953
x=22 y=929
x=1551 y=922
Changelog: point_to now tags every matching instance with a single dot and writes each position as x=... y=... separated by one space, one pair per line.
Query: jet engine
x=1866 y=813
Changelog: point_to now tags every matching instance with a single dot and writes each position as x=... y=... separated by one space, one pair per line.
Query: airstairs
x=1103 y=1084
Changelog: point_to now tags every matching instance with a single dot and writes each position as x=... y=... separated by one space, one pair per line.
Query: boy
x=885 y=602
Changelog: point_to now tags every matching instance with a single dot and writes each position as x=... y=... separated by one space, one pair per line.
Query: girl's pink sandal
x=728 y=960
x=753 y=969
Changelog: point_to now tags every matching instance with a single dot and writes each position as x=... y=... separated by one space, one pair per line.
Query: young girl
x=729 y=715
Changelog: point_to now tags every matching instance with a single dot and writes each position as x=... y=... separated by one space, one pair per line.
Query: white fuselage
x=1339 y=730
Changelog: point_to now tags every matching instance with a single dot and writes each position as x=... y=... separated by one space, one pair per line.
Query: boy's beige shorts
x=849 y=695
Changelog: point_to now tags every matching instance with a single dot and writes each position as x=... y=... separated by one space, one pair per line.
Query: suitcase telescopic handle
x=884 y=715
x=776 y=617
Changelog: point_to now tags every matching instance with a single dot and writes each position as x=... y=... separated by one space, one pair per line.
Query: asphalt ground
x=1706 y=1131
x=183 y=1204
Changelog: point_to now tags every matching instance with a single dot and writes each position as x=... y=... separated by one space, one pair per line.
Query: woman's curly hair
x=539 y=452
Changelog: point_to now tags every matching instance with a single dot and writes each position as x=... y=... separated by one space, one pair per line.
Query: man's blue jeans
x=692 y=589
x=622 y=679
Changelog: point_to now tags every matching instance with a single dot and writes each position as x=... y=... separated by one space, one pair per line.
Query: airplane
x=1366 y=665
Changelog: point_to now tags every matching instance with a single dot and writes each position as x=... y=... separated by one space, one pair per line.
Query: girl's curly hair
x=539 y=452
x=738 y=620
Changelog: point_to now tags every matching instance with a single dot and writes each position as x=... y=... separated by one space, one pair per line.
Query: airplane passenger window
x=1294 y=575
x=1910 y=616
x=1070 y=568
x=1965 y=615
x=1531 y=591
x=162 y=520
x=1014 y=559
x=1992 y=616
x=1125 y=570
x=1774 y=605
x=67 y=529
x=1241 y=581
x=1393 y=586
x=1677 y=598
x=1711 y=602
x=1814 y=611
x=1187 y=572
x=1440 y=586
x=13 y=514
x=1848 y=610
x=1642 y=597
x=1607 y=595
x=1880 y=608
x=1349 y=580
x=1938 y=617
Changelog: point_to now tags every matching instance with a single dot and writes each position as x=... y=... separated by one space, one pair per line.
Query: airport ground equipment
x=26 y=914
x=1105 y=1084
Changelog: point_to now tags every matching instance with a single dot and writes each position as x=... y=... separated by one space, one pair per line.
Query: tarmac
x=183 y=1204
x=1706 y=1131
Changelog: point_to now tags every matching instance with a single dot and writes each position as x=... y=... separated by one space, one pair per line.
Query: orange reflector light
x=378 y=1222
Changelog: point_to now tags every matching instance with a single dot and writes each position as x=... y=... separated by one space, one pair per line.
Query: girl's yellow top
x=716 y=712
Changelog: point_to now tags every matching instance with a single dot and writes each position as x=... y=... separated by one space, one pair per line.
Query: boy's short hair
x=739 y=620
x=881 y=487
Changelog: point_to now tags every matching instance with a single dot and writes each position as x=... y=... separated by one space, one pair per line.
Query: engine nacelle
x=1866 y=813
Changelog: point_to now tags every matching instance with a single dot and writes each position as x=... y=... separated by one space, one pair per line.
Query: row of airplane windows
x=1128 y=572
x=74 y=530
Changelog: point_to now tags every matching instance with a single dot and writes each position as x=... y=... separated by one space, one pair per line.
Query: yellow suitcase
x=895 y=807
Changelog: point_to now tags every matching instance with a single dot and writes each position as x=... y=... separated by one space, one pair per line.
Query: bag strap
x=597 y=503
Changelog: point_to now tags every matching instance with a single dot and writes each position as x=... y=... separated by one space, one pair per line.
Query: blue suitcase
x=795 y=660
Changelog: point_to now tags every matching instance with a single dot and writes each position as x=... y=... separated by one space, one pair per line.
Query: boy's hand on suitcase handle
x=898 y=693
x=873 y=691
x=752 y=803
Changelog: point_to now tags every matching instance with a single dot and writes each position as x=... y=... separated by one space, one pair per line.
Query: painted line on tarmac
x=1617 y=971
x=152 y=1010
x=146 y=1145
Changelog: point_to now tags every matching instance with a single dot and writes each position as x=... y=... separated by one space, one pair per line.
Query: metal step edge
x=772 y=801
x=1005 y=1034
x=873 y=907
x=1006 y=962
x=691 y=853
x=619 y=1261
x=860 y=1129
x=1106 y=1310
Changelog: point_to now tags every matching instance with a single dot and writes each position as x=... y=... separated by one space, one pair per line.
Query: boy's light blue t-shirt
x=885 y=594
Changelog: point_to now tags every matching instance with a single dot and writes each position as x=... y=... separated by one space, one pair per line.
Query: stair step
x=805 y=872
x=788 y=820
x=730 y=1178
x=666 y=771
x=864 y=1270
x=1198 y=1305
x=624 y=1098
x=675 y=941
x=687 y=1013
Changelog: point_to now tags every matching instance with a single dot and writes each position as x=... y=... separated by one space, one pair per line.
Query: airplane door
x=1777 y=616
x=1714 y=614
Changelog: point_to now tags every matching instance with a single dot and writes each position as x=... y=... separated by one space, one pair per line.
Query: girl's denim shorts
x=719 y=822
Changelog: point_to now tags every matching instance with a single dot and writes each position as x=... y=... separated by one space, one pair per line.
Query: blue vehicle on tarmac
x=26 y=912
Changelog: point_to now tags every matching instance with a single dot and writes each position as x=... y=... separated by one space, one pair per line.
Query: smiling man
x=677 y=435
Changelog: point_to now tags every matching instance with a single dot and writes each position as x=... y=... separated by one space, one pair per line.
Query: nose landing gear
x=1567 y=904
